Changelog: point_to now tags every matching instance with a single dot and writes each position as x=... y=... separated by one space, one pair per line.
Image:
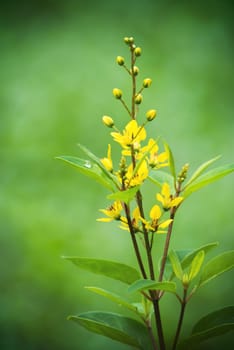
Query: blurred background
x=57 y=74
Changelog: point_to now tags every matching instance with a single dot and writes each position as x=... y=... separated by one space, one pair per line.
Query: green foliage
x=114 y=326
x=124 y=196
x=111 y=269
x=171 y=161
x=196 y=264
x=144 y=284
x=198 y=172
x=208 y=178
x=114 y=297
x=89 y=169
x=212 y=325
x=217 y=266
x=159 y=177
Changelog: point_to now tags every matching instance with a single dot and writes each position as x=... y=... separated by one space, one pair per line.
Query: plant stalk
x=179 y=326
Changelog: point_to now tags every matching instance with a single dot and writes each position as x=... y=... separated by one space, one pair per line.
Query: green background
x=57 y=74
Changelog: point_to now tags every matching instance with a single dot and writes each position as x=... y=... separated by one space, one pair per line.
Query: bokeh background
x=57 y=74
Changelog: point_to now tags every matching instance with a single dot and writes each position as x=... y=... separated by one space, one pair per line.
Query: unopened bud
x=137 y=51
x=185 y=280
x=147 y=82
x=108 y=121
x=120 y=60
x=138 y=99
x=151 y=114
x=135 y=70
x=183 y=173
x=117 y=93
x=128 y=40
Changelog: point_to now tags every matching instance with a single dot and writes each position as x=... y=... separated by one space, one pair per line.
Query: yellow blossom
x=107 y=162
x=154 y=225
x=112 y=213
x=132 y=134
x=155 y=159
x=166 y=198
x=134 y=178
x=135 y=221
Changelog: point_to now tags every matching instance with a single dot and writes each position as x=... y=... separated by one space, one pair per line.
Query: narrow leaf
x=89 y=169
x=124 y=196
x=159 y=177
x=113 y=297
x=201 y=170
x=196 y=264
x=111 y=269
x=176 y=266
x=117 y=327
x=186 y=257
x=212 y=325
x=214 y=319
x=143 y=284
x=217 y=266
x=97 y=161
x=171 y=161
x=207 y=178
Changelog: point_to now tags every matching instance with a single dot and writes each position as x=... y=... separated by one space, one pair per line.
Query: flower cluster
x=138 y=158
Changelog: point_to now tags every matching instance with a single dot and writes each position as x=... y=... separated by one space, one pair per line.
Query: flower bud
x=128 y=40
x=138 y=99
x=137 y=51
x=108 y=121
x=135 y=70
x=151 y=114
x=147 y=82
x=117 y=93
x=120 y=60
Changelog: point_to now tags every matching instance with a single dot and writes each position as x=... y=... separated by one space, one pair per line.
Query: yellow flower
x=136 y=178
x=112 y=213
x=107 y=162
x=166 y=198
x=154 y=225
x=132 y=135
x=155 y=159
x=135 y=221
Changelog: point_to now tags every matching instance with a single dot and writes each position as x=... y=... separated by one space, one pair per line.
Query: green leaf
x=97 y=161
x=201 y=169
x=89 y=169
x=214 y=324
x=207 y=178
x=124 y=196
x=186 y=257
x=111 y=269
x=196 y=264
x=145 y=284
x=217 y=266
x=171 y=161
x=176 y=266
x=113 y=297
x=159 y=177
x=117 y=327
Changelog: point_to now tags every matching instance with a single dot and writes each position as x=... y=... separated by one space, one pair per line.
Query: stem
x=125 y=106
x=134 y=241
x=158 y=322
x=133 y=83
x=148 y=325
x=169 y=232
x=146 y=237
x=167 y=243
x=182 y=310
